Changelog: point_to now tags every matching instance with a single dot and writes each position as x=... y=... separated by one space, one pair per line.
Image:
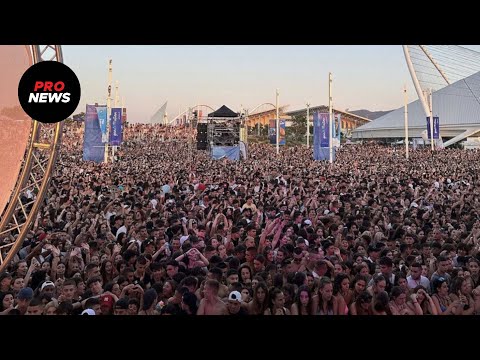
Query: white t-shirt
x=412 y=284
x=121 y=229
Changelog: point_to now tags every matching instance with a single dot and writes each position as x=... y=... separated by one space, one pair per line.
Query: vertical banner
x=324 y=130
x=102 y=120
x=320 y=136
x=334 y=127
x=436 y=128
x=272 y=131
x=124 y=122
x=283 y=132
x=339 y=132
x=316 y=135
x=93 y=148
x=116 y=127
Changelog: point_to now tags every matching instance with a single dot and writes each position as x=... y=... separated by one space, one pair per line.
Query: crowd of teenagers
x=166 y=230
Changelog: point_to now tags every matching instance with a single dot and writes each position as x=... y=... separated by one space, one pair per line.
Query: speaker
x=202 y=136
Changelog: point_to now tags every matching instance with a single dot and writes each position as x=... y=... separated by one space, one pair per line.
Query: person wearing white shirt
x=416 y=278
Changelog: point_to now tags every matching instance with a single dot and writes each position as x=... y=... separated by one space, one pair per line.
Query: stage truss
x=35 y=174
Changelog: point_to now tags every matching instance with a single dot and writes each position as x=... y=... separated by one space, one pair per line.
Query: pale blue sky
x=365 y=76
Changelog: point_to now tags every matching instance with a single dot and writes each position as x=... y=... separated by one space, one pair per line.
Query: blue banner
x=320 y=137
x=229 y=152
x=102 y=119
x=334 y=127
x=339 y=132
x=436 y=128
x=283 y=133
x=272 y=132
x=324 y=129
x=323 y=154
x=93 y=148
x=116 y=127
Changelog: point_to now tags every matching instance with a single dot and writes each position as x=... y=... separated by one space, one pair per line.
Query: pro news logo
x=54 y=96
x=49 y=92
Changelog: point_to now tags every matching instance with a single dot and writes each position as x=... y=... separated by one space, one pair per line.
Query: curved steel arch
x=35 y=176
x=255 y=108
x=188 y=111
x=199 y=105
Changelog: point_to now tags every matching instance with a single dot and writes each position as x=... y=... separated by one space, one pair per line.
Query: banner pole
x=406 y=120
x=277 y=124
x=109 y=114
x=330 y=117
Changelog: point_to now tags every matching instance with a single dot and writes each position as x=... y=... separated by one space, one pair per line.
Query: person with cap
x=93 y=303
x=47 y=288
x=106 y=304
x=23 y=299
x=88 y=312
x=148 y=247
x=234 y=304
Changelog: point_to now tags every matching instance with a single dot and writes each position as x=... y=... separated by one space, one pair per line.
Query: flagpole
x=431 y=121
x=406 y=120
x=114 y=147
x=278 y=124
x=109 y=113
x=330 y=115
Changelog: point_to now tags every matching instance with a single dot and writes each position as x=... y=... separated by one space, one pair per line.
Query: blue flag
x=339 y=132
x=102 y=120
x=436 y=127
x=93 y=148
x=116 y=126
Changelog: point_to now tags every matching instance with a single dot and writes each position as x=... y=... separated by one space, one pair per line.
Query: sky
x=364 y=76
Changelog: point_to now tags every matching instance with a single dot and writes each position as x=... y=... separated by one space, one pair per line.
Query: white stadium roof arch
x=452 y=73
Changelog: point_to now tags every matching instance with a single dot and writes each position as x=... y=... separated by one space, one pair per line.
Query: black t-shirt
x=242 y=312
x=146 y=280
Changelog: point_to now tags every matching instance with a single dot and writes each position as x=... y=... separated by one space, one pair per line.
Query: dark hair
x=232 y=272
x=456 y=284
x=385 y=261
x=217 y=272
x=381 y=302
x=169 y=309
x=396 y=292
x=89 y=303
x=190 y=300
x=437 y=283
x=273 y=295
x=364 y=297
x=299 y=279
x=337 y=282
x=2 y=296
x=298 y=302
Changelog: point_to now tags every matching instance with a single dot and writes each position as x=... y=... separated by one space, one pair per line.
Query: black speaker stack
x=202 y=136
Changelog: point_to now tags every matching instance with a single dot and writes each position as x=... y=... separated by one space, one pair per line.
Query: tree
x=297 y=131
x=79 y=117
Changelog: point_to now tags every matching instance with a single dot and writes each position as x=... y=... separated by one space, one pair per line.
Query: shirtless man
x=211 y=303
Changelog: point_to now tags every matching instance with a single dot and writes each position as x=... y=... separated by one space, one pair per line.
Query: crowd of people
x=165 y=230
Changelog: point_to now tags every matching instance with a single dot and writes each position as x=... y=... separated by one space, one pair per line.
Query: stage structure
x=223 y=133
x=30 y=168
